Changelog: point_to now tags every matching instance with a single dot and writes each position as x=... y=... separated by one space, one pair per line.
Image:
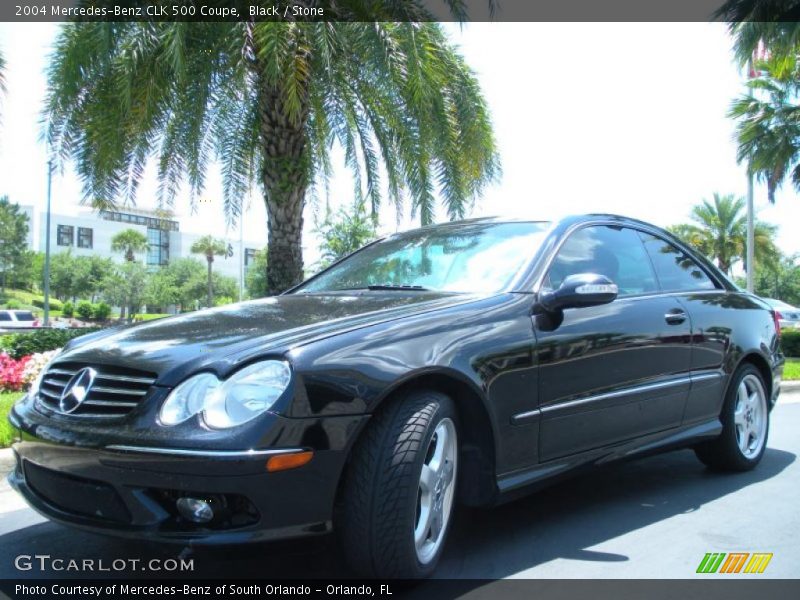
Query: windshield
x=475 y=258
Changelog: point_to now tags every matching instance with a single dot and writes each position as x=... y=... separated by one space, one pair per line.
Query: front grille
x=116 y=391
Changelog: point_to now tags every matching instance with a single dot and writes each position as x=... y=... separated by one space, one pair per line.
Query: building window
x=66 y=235
x=158 y=251
x=152 y=222
x=249 y=257
x=84 y=237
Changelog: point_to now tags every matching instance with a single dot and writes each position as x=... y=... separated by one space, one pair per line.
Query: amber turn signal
x=281 y=462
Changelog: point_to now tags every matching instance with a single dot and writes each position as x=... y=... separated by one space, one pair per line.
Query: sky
x=589 y=117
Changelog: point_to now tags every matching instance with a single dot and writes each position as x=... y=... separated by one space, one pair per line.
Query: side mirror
x=579 y=290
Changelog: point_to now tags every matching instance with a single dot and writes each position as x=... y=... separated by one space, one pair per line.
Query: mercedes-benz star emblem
x=76 y=390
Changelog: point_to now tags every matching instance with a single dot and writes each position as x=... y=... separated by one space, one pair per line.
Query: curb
x=6 y=460
x=790 y=386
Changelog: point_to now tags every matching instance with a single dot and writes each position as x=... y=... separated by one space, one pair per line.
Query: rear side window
x=615 y=252
x=4 y=316
x=676 y=270
x=24 y=316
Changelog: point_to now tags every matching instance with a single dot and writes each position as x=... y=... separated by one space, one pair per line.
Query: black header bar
x=359 y=10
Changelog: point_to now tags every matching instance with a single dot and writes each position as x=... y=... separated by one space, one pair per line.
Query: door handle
x=675 y=317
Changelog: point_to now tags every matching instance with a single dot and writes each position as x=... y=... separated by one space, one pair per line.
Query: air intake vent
x=115 y=391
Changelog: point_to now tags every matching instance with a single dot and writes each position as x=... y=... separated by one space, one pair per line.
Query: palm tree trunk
x=285 y=179
x=210 y=300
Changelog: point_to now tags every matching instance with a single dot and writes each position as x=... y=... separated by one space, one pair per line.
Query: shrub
x=101 y=311
x=84 y=309
x=55 y=303
x=13 y=304
x=11 y=373
x=68 y=310
x=790 y=342
x=18 y=345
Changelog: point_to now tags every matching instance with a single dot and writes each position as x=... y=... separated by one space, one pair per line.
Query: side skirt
x=519 y=483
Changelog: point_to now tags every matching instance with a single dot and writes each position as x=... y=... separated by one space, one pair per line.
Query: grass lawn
x=24 y=301
x=7 y=432
x=791 y=370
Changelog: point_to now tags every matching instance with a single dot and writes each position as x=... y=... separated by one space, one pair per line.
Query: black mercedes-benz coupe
x=463 y=363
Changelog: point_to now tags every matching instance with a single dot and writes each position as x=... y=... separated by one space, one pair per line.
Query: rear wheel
x=745 y=424
x=399 y=490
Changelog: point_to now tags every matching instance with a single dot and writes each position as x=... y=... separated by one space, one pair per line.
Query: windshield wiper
x=386 y=286
x=390 y=286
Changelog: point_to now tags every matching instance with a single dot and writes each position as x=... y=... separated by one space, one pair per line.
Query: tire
x=745 y=424
x=385 y=497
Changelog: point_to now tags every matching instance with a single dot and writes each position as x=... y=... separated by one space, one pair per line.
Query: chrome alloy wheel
x=750 y=416
x=437 y=483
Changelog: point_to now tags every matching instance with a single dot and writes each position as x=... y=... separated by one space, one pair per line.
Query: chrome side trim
x=531 y=414
x=659 y=385
x=706 y=376
x=606 y=396
x=204 y=453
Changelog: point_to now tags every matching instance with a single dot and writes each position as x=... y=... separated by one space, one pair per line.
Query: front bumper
x=133 y=493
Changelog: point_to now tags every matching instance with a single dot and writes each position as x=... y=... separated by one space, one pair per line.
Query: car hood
x=218 y=339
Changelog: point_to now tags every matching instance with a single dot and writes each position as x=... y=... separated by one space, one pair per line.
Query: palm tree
x=2 y=74
x=129 y=242
x=769 y=123
x=719 y=230
x=210 y=247
x=269 y=101
x=775 y=24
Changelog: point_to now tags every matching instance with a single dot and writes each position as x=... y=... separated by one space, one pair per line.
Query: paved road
x=654 y=518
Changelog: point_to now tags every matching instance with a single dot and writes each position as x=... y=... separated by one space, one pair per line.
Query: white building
x=88 y=232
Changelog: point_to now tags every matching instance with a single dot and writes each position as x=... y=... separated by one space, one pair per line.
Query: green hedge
x=55 y=304
x=84 y=310
x=101 y=311
x=18 y=345
x=790 y=342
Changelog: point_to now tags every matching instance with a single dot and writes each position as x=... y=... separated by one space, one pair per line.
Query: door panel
x=610 y=373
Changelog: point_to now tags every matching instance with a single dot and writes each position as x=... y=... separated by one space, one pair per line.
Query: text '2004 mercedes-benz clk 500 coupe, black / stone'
x=463 y=363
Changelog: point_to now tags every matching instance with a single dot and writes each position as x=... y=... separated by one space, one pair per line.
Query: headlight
x=243 y=396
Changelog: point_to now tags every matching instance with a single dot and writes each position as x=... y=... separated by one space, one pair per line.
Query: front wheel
x=745 y=424
x=399 y=489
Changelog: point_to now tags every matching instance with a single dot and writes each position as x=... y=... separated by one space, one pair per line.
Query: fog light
x=195 y=509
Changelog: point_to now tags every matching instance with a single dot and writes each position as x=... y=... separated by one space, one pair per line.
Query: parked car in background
x=462 y=363
x=13 y=319
x=788 y=315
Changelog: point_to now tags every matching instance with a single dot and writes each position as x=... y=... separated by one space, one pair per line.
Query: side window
x=676 y=270
x=5 y=316
x=615 y=252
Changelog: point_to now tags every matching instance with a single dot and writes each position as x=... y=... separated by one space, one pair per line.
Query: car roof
x=776 y=302
x=565 y=219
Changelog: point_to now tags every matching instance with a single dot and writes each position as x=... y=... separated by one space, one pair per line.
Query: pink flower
x=11 y=372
